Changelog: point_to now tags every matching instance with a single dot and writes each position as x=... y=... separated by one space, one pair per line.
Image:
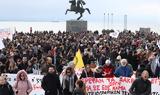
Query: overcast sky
x=140 y=12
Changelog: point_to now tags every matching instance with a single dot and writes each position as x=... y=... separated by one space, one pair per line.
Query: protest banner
x=115 y=86
x=34 y=79
x=94 y=86
x=6 y=33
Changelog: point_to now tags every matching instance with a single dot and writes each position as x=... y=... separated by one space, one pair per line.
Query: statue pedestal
x=76 y=25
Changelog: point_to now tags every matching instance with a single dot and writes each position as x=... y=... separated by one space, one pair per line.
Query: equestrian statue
x=77 y=7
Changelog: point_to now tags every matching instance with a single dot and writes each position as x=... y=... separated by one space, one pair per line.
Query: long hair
x=70 y=69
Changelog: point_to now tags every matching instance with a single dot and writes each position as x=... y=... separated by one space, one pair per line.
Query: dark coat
x=51 y=84
x=77 y=91
x=98 y=75
x=141 y=87
x=86 y=74
x=6 y=89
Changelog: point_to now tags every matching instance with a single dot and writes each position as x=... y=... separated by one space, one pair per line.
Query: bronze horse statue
x=77 y=7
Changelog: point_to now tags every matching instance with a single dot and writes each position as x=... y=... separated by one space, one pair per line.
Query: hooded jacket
x=22 y=87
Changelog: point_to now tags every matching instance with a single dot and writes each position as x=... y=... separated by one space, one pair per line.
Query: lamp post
x=125 y=22
x=104 y=21
x=108 y=20
x=111 y=20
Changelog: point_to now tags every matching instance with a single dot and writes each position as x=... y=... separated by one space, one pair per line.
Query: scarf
x=70 y=79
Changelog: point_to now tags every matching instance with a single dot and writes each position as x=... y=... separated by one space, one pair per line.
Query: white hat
x=118 y=57
x=107 y=62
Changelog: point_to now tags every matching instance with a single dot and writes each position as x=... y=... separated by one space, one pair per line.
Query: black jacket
x=51 y=84
x=6 y=89
x=86 y=74
x=140 y=87
x=77 y=91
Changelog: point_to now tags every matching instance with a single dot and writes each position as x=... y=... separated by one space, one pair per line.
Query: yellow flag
x=78 y=61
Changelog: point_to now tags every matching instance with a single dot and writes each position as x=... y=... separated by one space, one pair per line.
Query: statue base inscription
x=76 y=26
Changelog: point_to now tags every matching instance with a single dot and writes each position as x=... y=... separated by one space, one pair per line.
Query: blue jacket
x=123 y=71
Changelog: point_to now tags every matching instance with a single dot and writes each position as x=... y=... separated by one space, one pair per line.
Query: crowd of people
x=112 y=57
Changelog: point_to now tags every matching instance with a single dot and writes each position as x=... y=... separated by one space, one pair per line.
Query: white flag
x=158 y=43
x=1 y=44
x=114 y=34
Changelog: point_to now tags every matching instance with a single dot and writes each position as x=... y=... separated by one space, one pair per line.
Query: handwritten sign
x=115 y=86
x=94 y=86
x=6 y=33
x=35 y=81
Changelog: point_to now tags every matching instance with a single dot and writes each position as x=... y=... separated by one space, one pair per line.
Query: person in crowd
x=99 y=72
x=141 y=86
x=19 y=63
x=102 y=59
x=24 y=64
x=87 y=72
x=45 y=65
x=108 y=69
x=154 y=61
x=51 y=82
x=29 y=68
x=68 y=81
x=22 y=85
x=132 y=59
x=2 y=68
x=80 y=88
x=86 y=57
x=117 y=61
x=13 y=69
x=5 y=87
x=124 y=70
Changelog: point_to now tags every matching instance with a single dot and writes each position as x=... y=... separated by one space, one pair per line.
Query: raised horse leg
x=67 y=11
x=88 y=10
x=80 y=16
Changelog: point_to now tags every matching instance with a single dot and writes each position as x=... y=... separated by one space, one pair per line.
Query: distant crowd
x=33 y=52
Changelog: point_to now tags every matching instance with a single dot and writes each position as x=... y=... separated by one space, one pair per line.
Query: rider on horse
x=73 y=4
x=80 y=4
x=77 y=7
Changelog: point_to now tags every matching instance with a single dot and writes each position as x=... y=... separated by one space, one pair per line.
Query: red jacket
x=109 y=70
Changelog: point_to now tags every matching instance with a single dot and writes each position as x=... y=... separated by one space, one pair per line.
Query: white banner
x=35 y=81
x=94 y=86
x=6 y=33
x=114 y=34
x=115 y=86
x=1 y=44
